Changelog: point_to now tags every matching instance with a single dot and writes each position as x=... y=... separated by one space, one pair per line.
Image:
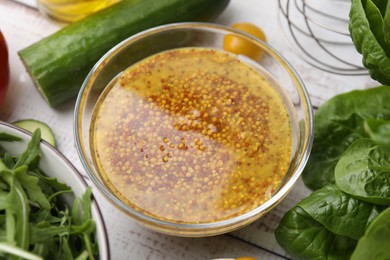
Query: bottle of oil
x=71 y=10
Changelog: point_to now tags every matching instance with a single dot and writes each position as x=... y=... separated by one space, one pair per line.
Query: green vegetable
x=35 y=223
x=375 y=243
x=379 y=131
x=339 y=212
x=337 y=124
x=351 y=149
x=364 y=172
x=8 y=138
x=369 y=29
x=387 y=23
x=31 y=125
x=304 y=238
x=60 y=62
x=325 y=225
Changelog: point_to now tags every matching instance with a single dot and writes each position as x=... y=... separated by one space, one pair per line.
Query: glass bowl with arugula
x=46 y=209
x=188 y=137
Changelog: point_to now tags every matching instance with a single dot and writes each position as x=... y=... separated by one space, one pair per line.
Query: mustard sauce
x=192 y=135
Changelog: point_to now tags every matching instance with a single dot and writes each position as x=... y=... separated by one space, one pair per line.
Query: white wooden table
x=22 y=25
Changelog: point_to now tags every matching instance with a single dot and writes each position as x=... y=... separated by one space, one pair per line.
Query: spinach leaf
x=375 y=243
x=366 y=28
x=379 y=131
x=339 y=212
x=374 y=10
x=364 y=172
x=337 y=124
x=387 y=23
x=304 y=238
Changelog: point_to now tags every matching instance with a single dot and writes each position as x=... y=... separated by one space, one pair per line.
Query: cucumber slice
x=31 y=125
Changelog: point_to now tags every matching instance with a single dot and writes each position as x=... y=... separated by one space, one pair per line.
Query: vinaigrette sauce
x=192 y=135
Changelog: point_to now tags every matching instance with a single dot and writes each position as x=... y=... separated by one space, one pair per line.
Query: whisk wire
x=323 y=45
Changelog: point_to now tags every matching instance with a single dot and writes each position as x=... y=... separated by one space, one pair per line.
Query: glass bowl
x=272 y=66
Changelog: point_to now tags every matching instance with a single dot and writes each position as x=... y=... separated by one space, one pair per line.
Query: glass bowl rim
x=281 y=192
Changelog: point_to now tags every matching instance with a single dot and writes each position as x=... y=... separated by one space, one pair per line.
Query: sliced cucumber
x=60 y=62
x=31 y=125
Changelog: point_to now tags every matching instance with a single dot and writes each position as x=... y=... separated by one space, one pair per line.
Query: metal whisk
x=321 y=37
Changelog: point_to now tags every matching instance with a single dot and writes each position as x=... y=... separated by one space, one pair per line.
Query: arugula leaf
x=339 y=212
x=364 y=172
x=337 y=124
x=8 y=248
x=49 y=184
x=304 y=238
x=31 y=155
x=15 y=205
x=375 y=243
x=35 y=222
x=8 y=161
x=41 y=233
x=86 y=202
x=86 y=218
x=4 y=137
x=34 y=191
x=66 y=248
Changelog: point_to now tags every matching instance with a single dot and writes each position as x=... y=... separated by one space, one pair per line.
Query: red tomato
x=4 y=69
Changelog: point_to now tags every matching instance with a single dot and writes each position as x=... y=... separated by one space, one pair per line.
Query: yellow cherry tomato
x=238 y=45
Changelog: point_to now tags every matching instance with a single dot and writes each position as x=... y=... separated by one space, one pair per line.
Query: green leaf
x=9 y=138
x=8 y=160
x=83 y=256
x=17 y=210
x=34 y=191
x=304 y=238
x=337 y=124
x=76 y=212
x=366 y=29
x=87 y=226
x=86 y=202
x=378 y=130
x=374 y=16
x=386 y=22
x=49 y=184
x=66 y=248
x=364 y=172
x=381 y=6
x=16 y=251
x=339 y=212
x=375 y=243
x=41 y=249
x=42 y=233
x=33 y=216
x=31 y=155
x=88 y=238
